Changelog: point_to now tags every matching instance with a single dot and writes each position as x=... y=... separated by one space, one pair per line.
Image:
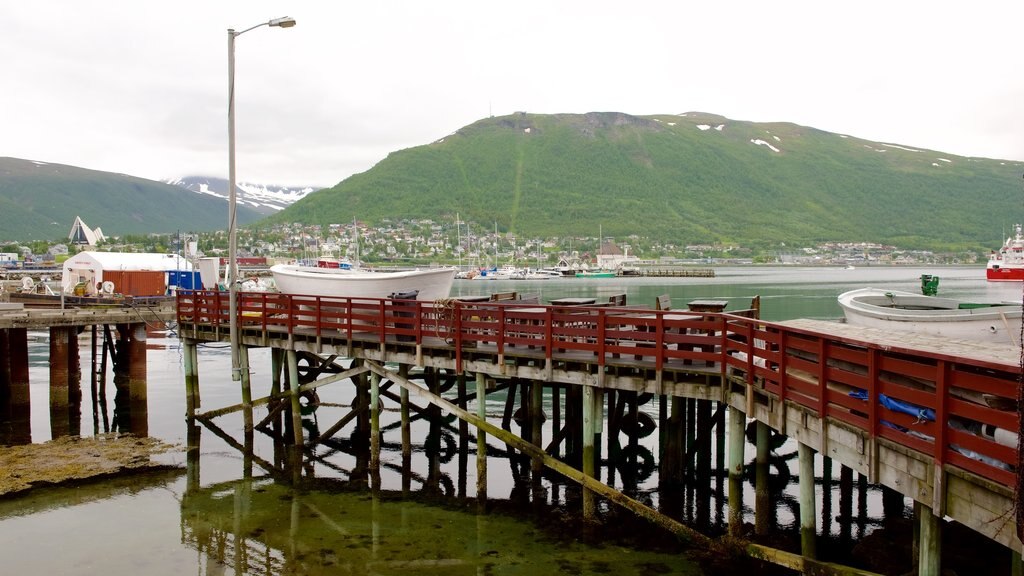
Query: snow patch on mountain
x=265 y=198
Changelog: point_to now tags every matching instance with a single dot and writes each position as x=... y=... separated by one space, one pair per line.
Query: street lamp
x=285 y=22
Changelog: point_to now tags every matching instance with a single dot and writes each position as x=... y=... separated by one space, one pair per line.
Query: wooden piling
x=137 y=380
x=17 y=384
x=808 y=527
x=929 y=558
x=246 y=375
x=191 y=377
x=59 y=341
x=536 y=424
x=589 y=501
x=762 y=496
x=481 y=438
x=403 y=371
x=845 y=503
x=375 y=431
x=737 y=442
x=60 y=422
x=293 y=383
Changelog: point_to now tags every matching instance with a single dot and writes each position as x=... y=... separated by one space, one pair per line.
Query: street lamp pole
x=232 y=274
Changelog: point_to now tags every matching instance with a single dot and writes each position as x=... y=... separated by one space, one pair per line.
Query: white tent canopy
x=89 y=266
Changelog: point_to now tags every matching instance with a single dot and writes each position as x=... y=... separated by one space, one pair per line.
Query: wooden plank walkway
x=821 y=383
x=997 y=353
x=43 y=318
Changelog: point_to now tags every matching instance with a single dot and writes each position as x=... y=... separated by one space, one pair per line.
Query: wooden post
x=672 y=461
x=720 y=456
x=403 y=371
x=589 y=502
x=762 y=498
x=137 y=394
x=293 y=381
x=845 y=503
x=737 y=442
x=191 y=377
x=277 y=361
x=192 y=436
x=60 y=423
x=17 y=345
x=15 y=402
x=536 y=424
x=59 y=337
x=556 y=414
x=481 y=438
x=826 y=494
x=808 y=527
x=243 y=368
x=375 y=431
x=929 y=551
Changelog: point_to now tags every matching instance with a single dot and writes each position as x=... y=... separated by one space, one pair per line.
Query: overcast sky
x=141 y=87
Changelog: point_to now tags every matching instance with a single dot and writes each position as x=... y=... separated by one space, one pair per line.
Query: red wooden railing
x=967 y=406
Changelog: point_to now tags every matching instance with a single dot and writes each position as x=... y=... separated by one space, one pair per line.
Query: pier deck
x=829 y=386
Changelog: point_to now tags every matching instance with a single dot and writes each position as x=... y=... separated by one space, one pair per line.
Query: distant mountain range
x=692 y=178
x=40 y=200
x=263 y=198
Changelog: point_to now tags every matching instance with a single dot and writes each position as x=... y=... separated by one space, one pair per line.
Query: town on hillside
x=401 y=243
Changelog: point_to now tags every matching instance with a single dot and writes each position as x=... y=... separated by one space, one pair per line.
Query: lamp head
x=283 y=22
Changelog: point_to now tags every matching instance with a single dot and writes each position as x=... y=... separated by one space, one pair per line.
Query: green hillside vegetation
x=39 y=201
x=665 y=177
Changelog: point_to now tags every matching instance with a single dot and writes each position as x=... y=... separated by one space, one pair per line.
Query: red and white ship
x=1007 y=263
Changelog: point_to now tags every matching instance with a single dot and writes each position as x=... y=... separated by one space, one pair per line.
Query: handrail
x=967 y=407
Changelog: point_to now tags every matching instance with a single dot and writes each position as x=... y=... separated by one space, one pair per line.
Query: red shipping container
x=137 y=282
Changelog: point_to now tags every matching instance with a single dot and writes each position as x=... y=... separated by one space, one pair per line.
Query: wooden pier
x=652 y=272
x=117 y=334
x=831 y=387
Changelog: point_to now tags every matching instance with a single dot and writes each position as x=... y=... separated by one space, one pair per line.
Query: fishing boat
x=596 y=274
x=356 y=282
x=1007 y=263
x=998 y=322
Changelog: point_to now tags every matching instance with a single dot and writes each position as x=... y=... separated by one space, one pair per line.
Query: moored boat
x=998 y=322
x=596 y=274
x=431 y=283
x=1007 y=263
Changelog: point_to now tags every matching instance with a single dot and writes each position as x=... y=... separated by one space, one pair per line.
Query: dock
x=118 y=337
x=673 y=272
x=828 y=386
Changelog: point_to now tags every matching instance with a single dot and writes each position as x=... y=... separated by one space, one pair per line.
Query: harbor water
x=235 y=514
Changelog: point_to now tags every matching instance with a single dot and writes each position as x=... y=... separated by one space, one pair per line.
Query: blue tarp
x=922 y=414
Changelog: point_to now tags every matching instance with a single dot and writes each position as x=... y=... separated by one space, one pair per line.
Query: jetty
x=117 y=337
x=672 y=272
x=928 y=420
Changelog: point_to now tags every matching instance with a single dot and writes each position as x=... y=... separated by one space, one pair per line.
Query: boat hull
x=1007 y=263
x=946 y=317
x=1004 y=274
x=432 y=284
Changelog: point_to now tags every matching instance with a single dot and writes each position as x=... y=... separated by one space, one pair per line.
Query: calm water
x=165 y=524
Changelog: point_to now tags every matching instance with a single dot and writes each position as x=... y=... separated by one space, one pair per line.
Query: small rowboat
x=998 y=322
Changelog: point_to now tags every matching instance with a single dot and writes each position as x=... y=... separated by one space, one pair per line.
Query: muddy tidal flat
x=69 y=459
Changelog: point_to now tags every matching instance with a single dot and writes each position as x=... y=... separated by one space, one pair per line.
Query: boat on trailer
x=998 y=322
x=429 y=283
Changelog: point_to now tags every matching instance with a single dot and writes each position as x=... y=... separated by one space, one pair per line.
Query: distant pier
x=673 y=272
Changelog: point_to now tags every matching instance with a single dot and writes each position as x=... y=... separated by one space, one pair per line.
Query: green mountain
x=690 y=178
x=39 y=201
